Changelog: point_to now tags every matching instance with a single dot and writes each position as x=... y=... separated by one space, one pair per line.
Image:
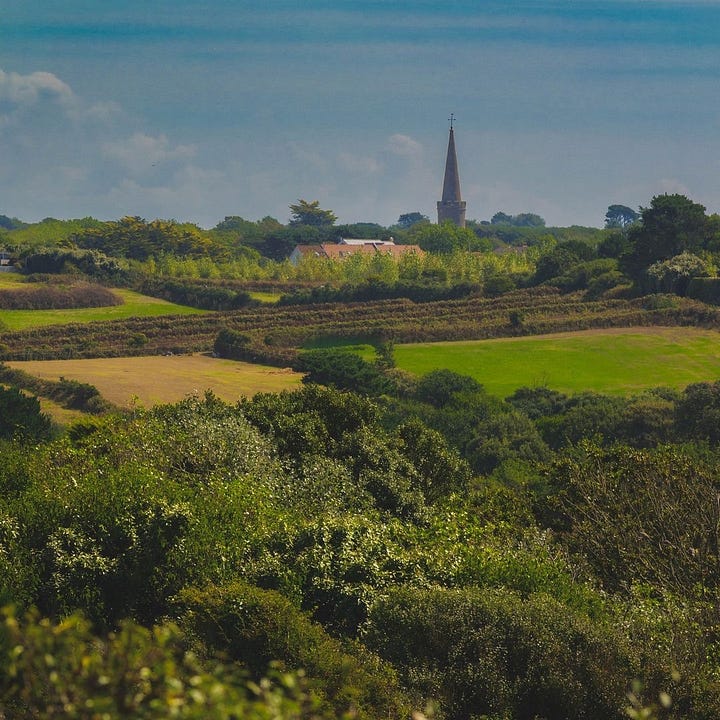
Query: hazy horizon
x=174 y=111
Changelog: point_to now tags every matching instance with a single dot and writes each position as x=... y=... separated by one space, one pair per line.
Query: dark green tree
x=446 y=237
x=613 y=245
x=407 y=220
x=673 y=224
x=20 y=416
x=310 y=213
x=521 y=220
x=438 y=386
x=620 y=216
x=343 y=370
x=501 y=218
x=528 y=220
x=697 y=412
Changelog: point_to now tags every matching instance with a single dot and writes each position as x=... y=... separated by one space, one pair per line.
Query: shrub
x=343 y=370
x=65 y=671
x=492 y=653
x=82 y=295
x=438 y=386
x=21 y=418
x=138 y=340
x=705 y=289
x=257 y=627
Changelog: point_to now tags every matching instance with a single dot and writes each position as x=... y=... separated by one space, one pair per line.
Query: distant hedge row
x=196 y=293
x=417 y=292
x=52 y=297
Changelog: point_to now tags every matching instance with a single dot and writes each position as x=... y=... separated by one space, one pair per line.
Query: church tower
x=452 y=206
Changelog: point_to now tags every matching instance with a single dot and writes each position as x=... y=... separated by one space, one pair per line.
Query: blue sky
x=198 y=110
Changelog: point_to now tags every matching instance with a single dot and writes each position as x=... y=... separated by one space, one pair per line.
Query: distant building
x=365 y=241
x=352 y=246
x=452 y=206
x=6 y=262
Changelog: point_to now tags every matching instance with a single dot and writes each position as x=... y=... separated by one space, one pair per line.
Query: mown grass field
x=148 y=381
x=134 y=305
x=613 y=361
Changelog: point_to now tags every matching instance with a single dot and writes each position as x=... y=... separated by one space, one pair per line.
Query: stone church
x=452 y=206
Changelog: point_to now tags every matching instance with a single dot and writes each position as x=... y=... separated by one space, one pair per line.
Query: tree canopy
x=671 y=225
x=620 y=216
x=310 y=213
x=521 y=220
x=407 y=220
x=446 y=237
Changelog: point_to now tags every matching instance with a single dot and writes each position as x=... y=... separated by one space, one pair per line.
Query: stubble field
x=148 y=381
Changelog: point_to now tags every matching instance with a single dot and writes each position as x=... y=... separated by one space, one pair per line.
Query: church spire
x=452 y=206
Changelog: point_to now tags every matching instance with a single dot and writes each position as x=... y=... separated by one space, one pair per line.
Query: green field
x=135 y=305
x=618 y=361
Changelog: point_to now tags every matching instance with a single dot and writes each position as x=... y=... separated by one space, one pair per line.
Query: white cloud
x=359 y=164
x=140 y=151
x=103 y=111
x=405 y=146
x=25 y=90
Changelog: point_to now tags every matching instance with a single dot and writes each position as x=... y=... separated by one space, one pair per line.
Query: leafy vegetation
x=383 y=542
x=349 y=538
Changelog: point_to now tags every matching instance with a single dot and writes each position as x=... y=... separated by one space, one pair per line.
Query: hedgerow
x=277 y=333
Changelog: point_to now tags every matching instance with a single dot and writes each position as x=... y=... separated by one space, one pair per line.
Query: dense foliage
x=524 y=559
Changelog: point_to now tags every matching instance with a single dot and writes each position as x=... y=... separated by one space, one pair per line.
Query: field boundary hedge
x=71 y=394
x=50 y=297
x=274 y=335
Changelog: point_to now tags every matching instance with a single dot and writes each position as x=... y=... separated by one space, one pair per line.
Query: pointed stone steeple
x=452 y=206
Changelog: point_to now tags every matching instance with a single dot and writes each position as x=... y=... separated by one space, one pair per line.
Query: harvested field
x=163 y=379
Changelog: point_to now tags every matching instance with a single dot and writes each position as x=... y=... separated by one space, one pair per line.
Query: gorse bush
x=258 y=627
x=21 y=417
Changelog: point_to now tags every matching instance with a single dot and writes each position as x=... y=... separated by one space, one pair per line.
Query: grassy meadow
x=613 y=361
x=134 y=305
x=148 y=381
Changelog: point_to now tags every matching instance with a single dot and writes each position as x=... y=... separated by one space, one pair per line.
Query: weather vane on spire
x=452 y=120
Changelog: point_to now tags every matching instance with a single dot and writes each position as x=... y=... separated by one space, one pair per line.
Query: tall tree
x=310 y=213
x=521 y=220
x=407 y=220
x=673 y=224
x=620 y=216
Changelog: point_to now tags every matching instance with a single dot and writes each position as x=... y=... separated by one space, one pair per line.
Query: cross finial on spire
x=452 y=120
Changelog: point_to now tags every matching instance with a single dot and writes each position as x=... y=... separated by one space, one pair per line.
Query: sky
x=197 y=110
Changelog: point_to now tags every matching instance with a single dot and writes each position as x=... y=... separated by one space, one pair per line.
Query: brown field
x=149 y=381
